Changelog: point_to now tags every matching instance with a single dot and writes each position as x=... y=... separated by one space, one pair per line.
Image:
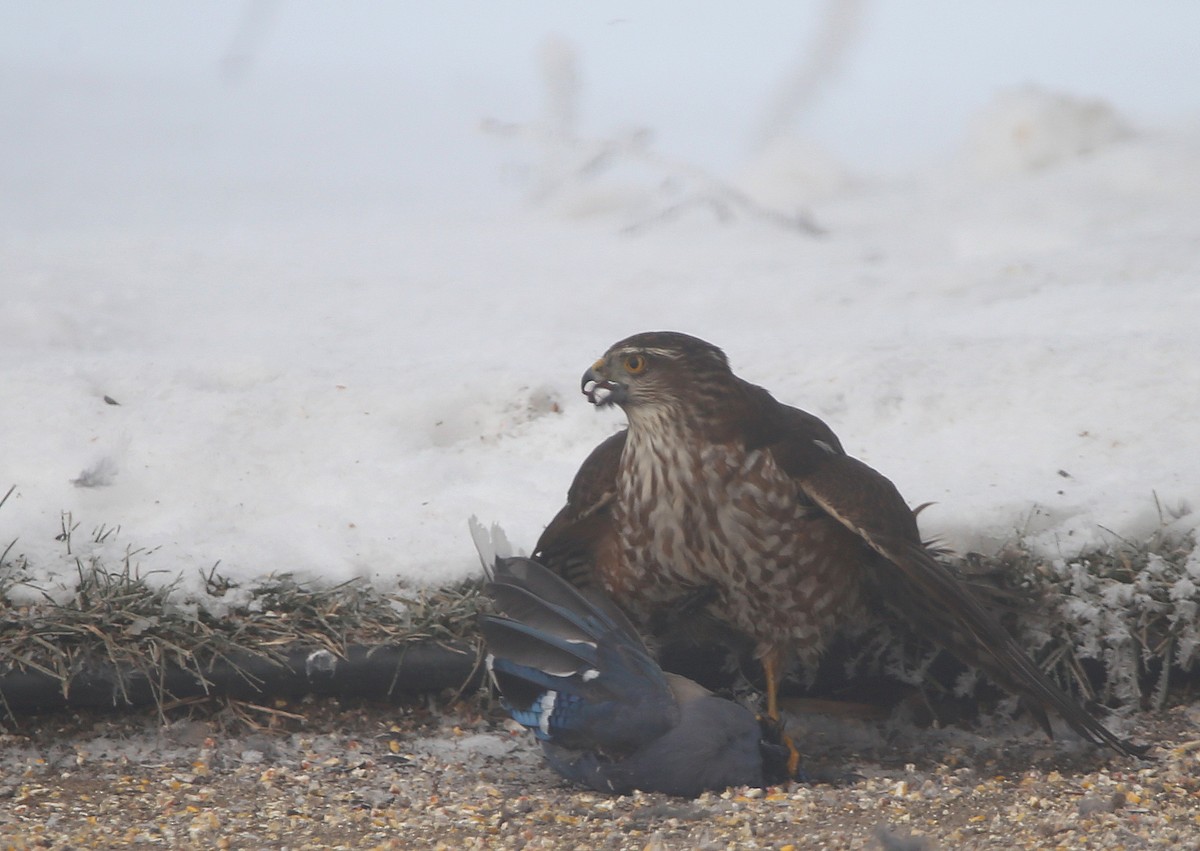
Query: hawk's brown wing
x=923 y=590
x=581 y=538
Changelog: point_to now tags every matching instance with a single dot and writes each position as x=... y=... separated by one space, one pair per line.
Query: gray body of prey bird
x=575 y=672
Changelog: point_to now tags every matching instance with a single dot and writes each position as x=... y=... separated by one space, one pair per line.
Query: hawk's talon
x=793 y=760
x=785 y=756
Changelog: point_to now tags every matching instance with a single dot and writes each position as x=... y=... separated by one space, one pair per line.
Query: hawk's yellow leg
x=772 y=670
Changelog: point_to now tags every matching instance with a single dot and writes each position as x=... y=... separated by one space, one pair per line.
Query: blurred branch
x=819 y=64
x=568 y=160
x=254 y=24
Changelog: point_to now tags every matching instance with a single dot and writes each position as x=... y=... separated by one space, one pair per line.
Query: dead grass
x=1118 y=625
x=118 y=617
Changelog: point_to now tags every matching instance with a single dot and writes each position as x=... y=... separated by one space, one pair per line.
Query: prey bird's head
x=656 y=370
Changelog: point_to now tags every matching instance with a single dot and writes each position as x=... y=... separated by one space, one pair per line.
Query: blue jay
x=574 y=671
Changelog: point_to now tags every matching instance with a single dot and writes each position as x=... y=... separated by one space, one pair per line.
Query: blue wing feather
x=574 y=671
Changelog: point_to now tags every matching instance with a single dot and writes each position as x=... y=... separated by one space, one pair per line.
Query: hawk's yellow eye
x=635 y=364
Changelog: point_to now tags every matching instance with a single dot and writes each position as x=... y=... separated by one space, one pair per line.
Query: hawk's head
x=656 y=370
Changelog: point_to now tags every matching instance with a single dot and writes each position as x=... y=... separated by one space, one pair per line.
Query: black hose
x=386 y=672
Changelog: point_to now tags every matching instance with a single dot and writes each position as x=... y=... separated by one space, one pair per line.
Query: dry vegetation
x=280 y=770
x=1118 y=626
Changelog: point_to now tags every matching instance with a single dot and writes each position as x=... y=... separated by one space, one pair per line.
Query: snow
x=338 y=319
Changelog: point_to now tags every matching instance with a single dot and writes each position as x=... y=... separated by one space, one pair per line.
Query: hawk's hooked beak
x=598 y=389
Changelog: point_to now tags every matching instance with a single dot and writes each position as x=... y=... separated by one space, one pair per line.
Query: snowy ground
x=337 y=324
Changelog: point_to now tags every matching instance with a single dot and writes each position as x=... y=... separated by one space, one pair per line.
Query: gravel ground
x=319 y=774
